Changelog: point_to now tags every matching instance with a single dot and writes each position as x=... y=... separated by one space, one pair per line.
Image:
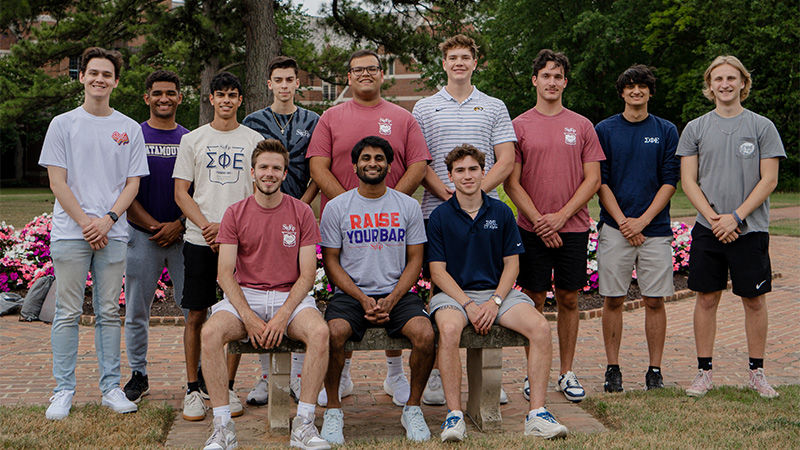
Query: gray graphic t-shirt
x=372 y=235
x=729 y=153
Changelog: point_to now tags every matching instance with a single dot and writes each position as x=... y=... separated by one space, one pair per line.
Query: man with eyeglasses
x=338 y=131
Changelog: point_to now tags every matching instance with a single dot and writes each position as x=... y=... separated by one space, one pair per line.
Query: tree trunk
x=206 y=110
x=263 y=44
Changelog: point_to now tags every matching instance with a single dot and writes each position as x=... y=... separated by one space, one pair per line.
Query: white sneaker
x=413 y=421
x=503 y=396
x=544 y=425
x=453 y=429
x=294 y=388
x=332 y=425
x=306 y=436
x=397 y=387
x=572 y=389
x=259 y=395
x=60 y=403
x=223 y=437
x=526 y=389
x=118 y=401
x=235 y=404
x=433 y=393
x=345 y=390
x=194 y=408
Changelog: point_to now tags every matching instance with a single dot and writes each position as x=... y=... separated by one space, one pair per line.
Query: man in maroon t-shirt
x=337 y=132
x=557 y=171
x=262 y=300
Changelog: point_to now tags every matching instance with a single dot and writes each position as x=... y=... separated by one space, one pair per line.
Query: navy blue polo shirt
x=473 y=249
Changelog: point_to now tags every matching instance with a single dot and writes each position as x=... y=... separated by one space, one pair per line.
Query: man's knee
x=196 y=319
x=567 y=299
x=420 y=332
x=449 y=332
x=615 y=302
x=654 y=303
x=754 y=304
x=338 y=332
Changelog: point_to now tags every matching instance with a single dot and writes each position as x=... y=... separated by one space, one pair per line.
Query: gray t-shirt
x=729 y=153
x=372 y=235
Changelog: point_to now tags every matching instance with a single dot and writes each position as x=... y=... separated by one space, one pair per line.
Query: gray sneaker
x=414 y=423
x=223 y=437
x=544 y=425
x=306 y=436
x=434 y=393
x=332 y=426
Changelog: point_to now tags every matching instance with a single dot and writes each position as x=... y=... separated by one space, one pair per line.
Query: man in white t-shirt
x=212 y=159
x=94 y=157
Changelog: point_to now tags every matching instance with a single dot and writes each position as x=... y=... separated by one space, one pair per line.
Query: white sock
x=456 y=412
x=534 y=412
x=394 y=364
x=264 y=360
x=346 y=369
x=306 y=411
x=224 y=412
x=297 y=364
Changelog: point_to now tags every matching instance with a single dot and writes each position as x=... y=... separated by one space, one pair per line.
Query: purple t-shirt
x=157 y=191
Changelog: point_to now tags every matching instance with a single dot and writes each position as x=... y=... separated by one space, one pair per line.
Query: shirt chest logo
x=478 y=108
x=490 y=224
x=224 y=163
x=570 y=136
x=651 y=140
x=385 y=126
x=120 y=138
x=303 y=133
x=289 y=235
x=747 y=148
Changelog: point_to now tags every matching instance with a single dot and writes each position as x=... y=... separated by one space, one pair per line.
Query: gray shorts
x=616 y=258
x=513 y=298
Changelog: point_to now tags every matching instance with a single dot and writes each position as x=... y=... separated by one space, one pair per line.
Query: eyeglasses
x=358 y=71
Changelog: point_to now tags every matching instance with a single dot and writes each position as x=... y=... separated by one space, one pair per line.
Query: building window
x=74 y=67
x=388 y=63
x=328 y=91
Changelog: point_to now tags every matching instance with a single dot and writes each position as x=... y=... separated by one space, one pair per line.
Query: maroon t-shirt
x=269 y=241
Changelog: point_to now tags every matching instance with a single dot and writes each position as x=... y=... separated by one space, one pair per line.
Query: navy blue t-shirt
x=157 y=190
x=640 y=158
x=473 y=249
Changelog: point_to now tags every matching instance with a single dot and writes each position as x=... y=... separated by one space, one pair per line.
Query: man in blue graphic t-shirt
x=638 y=178
x=157 y=225
x=366 y=228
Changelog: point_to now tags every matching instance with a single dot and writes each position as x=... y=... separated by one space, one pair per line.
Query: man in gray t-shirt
x=372 y=243
x=729 y=167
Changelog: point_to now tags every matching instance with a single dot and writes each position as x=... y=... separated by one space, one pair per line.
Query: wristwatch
x=113 y=216
x=497 y=300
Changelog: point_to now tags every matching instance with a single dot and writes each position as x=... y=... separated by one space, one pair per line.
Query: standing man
x=639 y=177
x=339 y=129
x=293 y=127
x=457 y=114
x=374 y=227
x=264 y=302
x=557 y=171
x=729 y=167
x=157 y=225
x=94 y=157
x=212 y=159
x=474 y=248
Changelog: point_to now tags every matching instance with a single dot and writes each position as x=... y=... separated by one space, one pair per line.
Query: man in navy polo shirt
x=475 y=267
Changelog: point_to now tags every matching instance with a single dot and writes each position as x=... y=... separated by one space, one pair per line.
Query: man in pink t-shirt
x=337 y=132
x=267 y=266
x=557 y=171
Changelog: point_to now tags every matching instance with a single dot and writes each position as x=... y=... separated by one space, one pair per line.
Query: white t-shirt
x=218 y=163
x=100 y=154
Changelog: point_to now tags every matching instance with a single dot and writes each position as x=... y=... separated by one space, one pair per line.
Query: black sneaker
x=137 y=387
x=653 y=379
x=202 y=384
x=613 y=380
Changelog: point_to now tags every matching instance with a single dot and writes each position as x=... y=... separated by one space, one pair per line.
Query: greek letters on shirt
x=225 y=163
x=376 y=230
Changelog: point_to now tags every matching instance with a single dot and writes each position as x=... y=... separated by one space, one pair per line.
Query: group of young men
x=197 y=209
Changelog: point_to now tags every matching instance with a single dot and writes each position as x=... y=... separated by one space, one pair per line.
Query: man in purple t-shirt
x=157 y=225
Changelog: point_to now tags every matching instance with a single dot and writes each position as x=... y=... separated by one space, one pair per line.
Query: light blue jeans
x=146 y=261
x=72 y=260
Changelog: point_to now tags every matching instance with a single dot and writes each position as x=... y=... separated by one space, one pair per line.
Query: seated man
x=372 y=241
x=474 y=251
x=270 y=240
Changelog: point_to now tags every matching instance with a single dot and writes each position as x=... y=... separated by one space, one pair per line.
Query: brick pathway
x=26 y=378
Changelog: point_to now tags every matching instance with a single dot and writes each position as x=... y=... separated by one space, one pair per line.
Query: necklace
x=474 y=210
x=282 y=128
x=726 y=132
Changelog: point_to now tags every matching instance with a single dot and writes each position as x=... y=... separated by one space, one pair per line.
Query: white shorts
x=616 y=258
x=265 y=304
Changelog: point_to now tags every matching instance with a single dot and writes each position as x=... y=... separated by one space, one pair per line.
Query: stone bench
x=484 y=371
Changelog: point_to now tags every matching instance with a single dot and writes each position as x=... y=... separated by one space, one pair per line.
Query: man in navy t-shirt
x=473 y=249
x=638 y=178
x=156 y=233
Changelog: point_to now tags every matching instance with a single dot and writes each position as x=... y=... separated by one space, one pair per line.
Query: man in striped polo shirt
x=461 y=114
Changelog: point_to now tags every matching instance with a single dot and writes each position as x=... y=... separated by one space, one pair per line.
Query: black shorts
x=540 y=266
x=342 y=306
x=747 y=258
x=200 y=277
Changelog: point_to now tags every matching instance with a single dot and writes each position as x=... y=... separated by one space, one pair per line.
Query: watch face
x=497 y=300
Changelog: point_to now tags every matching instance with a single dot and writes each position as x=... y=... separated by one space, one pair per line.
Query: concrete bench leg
x=484 y=372
x=279 y=399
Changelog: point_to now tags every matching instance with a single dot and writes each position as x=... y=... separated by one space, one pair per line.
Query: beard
x=378 y=179
x=268 y=191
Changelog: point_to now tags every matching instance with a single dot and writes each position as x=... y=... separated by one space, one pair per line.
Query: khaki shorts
x=616 y=258
x=513 y=298
x=265 y=304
